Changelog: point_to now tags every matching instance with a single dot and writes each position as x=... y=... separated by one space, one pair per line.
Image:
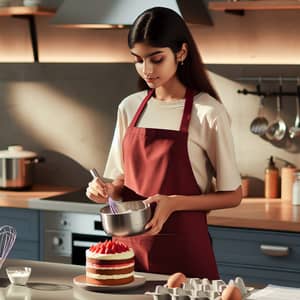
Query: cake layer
x=109 y=281
x=110 y=271
x=108 y=266
x=105 y=262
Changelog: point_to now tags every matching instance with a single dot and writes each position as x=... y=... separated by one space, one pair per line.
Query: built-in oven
x=65 y=236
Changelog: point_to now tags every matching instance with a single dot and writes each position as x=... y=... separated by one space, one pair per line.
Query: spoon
x=276 y=131
x=260 y=124
x=295 y=130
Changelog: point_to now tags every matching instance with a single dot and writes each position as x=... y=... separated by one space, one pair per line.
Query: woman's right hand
x=98 y=190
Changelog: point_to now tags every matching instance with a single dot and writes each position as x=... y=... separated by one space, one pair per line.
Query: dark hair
x=162 y=27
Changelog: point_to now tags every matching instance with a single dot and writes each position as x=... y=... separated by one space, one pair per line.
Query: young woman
x=171 y=139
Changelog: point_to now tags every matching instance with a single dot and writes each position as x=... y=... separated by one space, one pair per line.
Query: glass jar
x=296 y=188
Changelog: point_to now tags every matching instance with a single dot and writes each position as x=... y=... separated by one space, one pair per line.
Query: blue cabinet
x=27 y=224
x=259 y=256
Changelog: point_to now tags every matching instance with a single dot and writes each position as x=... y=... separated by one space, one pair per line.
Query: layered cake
x=109 y=263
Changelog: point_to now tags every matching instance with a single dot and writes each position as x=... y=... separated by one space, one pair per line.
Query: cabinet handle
x=272 y=250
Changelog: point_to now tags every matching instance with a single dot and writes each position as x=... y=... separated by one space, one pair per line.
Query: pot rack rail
x=266 y=94
x=260 y=80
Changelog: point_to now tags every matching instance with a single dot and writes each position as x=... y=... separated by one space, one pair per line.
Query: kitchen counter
x=55 y=281
x=46 y=198
x=21 y=199
x=268 y=214
x=256 y=213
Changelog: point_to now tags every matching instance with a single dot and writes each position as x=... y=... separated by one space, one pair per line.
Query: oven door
x=81 y=242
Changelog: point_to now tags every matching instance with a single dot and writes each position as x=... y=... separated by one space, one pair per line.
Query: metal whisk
x=7 y=239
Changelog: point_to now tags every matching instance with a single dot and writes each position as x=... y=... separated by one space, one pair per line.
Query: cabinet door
x=26 y=222
x=259 y=256
x=25 y=250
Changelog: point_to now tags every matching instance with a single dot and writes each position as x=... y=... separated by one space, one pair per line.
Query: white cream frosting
x=92 y=266
x=110 y=256
x=113 y=276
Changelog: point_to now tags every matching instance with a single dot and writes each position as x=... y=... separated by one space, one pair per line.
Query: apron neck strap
x=187 y=112
x=141 y=108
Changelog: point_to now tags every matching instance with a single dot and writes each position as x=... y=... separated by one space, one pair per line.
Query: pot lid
x=17 y=151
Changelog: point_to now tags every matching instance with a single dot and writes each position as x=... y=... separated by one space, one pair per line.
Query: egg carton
x=199 y=289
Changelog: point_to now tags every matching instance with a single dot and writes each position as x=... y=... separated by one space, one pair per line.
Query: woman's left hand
x=165 y=206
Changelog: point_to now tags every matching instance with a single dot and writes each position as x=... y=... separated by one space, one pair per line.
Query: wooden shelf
x=26 y=10
x=254 y=5
x=28 y=13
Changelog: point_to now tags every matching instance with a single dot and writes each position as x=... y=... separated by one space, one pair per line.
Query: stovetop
x=75 y=201
x=78 y=196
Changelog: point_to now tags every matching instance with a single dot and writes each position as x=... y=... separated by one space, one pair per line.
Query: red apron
x=156 y=161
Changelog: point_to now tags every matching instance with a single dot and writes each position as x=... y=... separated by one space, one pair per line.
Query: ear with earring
x=181 y=61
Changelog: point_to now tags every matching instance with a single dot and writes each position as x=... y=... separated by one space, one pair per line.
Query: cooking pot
x=17 y=168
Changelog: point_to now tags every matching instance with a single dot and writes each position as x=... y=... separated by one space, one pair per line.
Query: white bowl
x=18 y=275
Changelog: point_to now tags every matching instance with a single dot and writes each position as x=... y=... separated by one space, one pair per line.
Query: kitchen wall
x=67 y=112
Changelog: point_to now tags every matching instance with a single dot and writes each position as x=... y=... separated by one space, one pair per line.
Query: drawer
x=26 y=222
x=256 y=248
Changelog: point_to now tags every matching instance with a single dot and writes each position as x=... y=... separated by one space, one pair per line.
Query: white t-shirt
x=210 y=144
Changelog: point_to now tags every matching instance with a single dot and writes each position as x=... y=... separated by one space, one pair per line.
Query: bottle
x=271 y=179
x=245 y=186
x=296 y=188
x=287 y=181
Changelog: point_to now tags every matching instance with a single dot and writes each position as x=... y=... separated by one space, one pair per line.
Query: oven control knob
x=57 y=241
x=64 y=222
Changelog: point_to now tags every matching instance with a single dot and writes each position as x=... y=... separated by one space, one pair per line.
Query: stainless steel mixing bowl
x=131 y=219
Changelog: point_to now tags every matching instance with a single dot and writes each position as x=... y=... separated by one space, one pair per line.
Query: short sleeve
x=114 y=164
x=220 y=150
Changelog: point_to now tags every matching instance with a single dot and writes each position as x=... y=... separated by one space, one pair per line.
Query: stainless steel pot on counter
x=17 y=168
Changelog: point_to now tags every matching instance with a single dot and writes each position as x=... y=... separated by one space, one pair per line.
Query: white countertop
x=55 y=281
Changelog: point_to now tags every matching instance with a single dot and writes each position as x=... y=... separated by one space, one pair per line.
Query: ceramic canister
x=287 y=180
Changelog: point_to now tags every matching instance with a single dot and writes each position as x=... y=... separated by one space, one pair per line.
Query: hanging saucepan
x=260 y=124
x=294 y=131
x=17 y=168
x=277 y=130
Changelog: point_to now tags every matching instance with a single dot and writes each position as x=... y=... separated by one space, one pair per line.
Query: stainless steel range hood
x=121 y=13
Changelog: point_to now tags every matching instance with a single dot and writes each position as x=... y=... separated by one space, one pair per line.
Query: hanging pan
x=260 y=124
